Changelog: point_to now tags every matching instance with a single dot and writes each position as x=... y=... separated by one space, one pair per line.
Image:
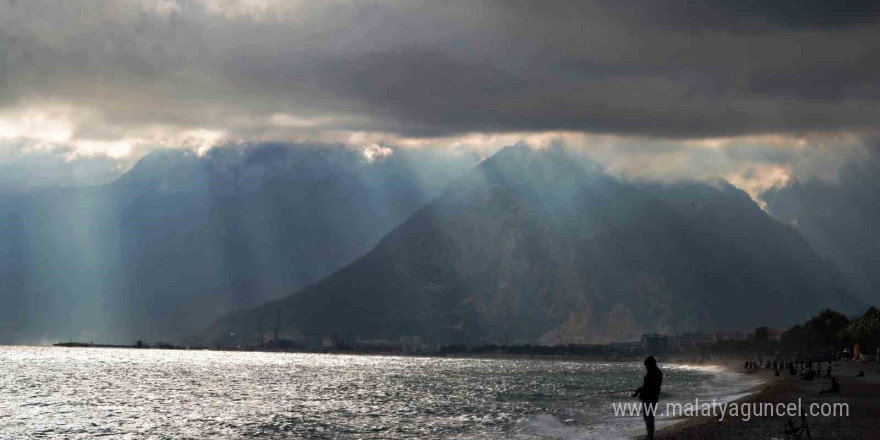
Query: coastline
x=861 y=394
x=740 y=386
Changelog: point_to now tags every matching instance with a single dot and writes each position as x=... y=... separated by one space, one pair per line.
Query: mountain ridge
x=544 y=246
x=181 y=238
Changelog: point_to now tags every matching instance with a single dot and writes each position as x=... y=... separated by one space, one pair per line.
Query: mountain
x=838 y=218
x=181 y=239
x=545 y=247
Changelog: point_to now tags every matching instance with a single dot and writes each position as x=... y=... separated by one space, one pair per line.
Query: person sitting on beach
x=649 y=393
x=810 y=375
x=835 y=387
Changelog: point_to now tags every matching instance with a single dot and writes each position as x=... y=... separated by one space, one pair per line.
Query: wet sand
x=861 y=393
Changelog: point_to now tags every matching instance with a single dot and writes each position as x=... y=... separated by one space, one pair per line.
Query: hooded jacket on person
x=649 y=392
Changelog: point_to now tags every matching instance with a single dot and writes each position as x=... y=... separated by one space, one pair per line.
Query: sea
x=83 y=393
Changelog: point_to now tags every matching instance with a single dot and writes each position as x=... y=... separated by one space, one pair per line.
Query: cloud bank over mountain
x=674 y=69
x=120 y=78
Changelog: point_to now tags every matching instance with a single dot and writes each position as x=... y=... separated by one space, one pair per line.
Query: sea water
x=126 y=393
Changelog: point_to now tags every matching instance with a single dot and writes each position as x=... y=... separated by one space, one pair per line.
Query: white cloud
x=373 y=152
x=38 y=125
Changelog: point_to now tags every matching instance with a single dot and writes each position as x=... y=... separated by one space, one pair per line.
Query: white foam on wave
x=727 y=386
x=705 y=368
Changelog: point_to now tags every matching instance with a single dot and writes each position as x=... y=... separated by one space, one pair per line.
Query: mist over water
x=84 y=393
x=181 y=238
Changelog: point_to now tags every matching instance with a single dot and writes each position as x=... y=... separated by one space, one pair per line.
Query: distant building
x=722 y=335
x=337 y=341
x=414 y=344
x=283 y=344
x=379 y=346
x=655 y=344
x=626 y=347
x=690 y=340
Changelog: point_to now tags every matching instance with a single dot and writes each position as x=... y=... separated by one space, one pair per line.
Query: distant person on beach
x=828 y=370
x=649 y=393
x=835 y=387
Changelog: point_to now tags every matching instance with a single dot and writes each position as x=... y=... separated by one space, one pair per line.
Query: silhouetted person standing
x=649 y=393
x=835 y=387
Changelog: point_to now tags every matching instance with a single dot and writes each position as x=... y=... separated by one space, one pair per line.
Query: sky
x=762 y=94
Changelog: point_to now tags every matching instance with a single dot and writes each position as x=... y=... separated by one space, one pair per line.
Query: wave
x=684 y=383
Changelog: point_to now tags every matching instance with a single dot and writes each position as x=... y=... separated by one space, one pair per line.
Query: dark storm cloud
x=671 y=68
x=756 y=13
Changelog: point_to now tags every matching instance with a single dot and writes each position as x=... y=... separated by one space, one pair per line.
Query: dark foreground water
x=89 y=392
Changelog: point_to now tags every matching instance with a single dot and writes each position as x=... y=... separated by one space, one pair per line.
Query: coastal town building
x=655 y=344
x=724 y=335
x=689 y=341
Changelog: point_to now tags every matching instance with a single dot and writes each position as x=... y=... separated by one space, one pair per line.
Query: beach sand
x=862 y=394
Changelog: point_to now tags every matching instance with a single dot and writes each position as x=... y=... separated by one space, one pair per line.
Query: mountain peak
x=542 y=245
x=166 y=168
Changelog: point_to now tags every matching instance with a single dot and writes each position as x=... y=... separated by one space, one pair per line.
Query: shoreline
x=861 y=394
x=726 y=365
x=498 y=356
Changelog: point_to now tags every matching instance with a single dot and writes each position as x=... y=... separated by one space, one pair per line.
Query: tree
x=762 y=334
x=864 y=330
x=823 y=329
x=795 y=339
